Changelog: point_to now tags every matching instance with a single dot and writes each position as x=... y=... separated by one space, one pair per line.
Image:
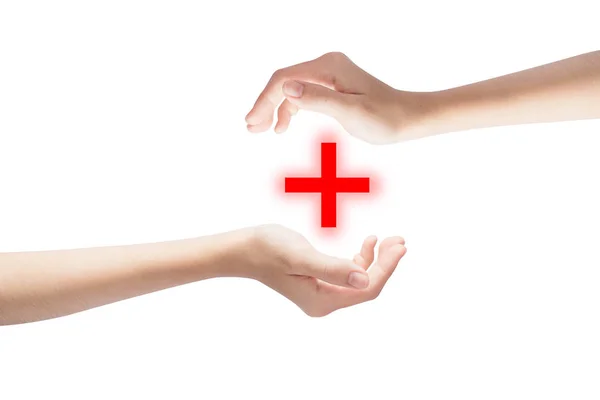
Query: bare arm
x=40 y=285
x=561 y=91
x=377 y=113
x=47 y=284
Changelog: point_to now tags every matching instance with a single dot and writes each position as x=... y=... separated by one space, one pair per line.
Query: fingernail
x=252 y=119
x=358 y=280
x=293 y=89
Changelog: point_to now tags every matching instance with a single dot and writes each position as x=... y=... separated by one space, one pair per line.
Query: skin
x=41 y=285
x=379 y=114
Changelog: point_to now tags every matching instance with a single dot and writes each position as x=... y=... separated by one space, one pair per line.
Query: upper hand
x=332 y=84
x=318 y=283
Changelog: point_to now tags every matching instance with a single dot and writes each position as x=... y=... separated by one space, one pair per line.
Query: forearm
x=41 y=285
x=561 y=91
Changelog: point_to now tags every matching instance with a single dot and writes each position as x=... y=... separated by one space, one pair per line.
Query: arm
x=41 y=285
x=561 y=91
x=377 y=113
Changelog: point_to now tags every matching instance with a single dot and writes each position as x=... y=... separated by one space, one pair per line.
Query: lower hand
x=320 y=284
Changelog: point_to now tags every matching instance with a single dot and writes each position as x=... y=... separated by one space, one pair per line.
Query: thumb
x=336 y=271
x=309 y=96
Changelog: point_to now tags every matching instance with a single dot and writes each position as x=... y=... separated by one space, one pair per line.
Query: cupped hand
x=333 y=85
x=318 y=283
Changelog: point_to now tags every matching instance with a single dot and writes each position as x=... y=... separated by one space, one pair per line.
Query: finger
x=341 y=297
x=272 y=94
x=284 y=115
x=263 y=126
x=387 y=243
x=381 y=271
x=368 y=251
x=390 y=241
x=318 y=98
x=333 y=270
x=360 y=261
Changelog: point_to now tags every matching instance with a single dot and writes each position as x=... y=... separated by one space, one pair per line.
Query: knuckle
x=311 y=313
x=332 y=64
x=316 y=312
x=335 y=56
x=278 y=74
x=373 y=294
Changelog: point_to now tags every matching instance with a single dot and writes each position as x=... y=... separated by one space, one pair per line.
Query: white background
x=123 y=122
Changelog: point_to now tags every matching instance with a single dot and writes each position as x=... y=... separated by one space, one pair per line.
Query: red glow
x=354 y=187
x=329 y=184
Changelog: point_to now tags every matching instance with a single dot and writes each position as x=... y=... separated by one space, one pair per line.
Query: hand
x=332 y=84
x=320 y=284
x=48 y=284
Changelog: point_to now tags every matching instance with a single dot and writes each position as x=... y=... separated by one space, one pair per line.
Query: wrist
x=243 y=256
x=221 y=255
x=414 y=112
x=424 y=114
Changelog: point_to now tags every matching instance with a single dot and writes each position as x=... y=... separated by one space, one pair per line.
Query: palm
x=315 y=296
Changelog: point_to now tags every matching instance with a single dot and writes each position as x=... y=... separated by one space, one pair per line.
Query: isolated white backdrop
x=123 y=122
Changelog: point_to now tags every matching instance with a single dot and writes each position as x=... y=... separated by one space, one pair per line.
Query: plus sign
x=328 y=184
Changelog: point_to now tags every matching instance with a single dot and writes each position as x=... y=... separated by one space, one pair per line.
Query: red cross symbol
x=328 y=184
